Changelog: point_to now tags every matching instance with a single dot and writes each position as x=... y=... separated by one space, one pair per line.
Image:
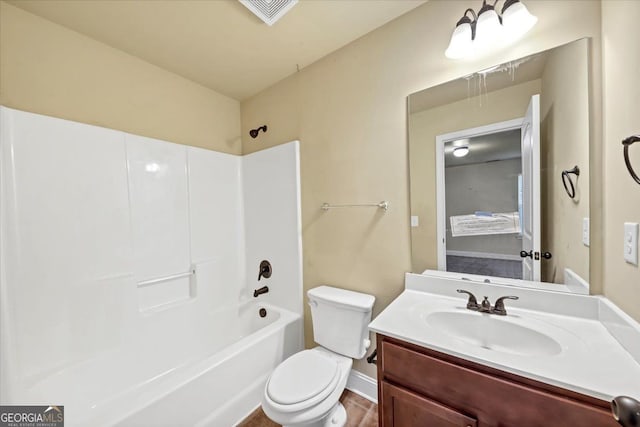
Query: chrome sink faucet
x=485 y=306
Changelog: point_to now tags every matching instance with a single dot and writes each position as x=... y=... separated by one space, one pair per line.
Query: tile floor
x=360 y=413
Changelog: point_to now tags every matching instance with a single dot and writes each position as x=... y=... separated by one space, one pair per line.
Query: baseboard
x=363 y=385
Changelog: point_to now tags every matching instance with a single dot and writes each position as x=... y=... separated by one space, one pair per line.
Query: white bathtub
x=219 y=390
x=219 y=386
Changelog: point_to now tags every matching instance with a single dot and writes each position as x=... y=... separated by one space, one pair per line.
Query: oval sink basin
x=493 y=333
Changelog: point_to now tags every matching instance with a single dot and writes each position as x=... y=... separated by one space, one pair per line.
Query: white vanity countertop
x=592 y=361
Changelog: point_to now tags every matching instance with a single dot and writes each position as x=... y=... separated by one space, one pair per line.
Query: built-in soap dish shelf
x=146 y=311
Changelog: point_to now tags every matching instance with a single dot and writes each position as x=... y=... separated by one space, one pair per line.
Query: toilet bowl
x=304 y=390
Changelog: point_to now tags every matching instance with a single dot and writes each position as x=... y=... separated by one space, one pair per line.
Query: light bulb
x=517 y=20
x=488 y=28
x=460 y=151
x=461 y=43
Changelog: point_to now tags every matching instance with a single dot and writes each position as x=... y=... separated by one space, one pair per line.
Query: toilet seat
x=302 y=381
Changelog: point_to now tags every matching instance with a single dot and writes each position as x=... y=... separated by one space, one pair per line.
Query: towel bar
x=382 y=205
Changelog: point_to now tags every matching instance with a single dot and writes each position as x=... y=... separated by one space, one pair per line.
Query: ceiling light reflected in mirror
x=460 y=151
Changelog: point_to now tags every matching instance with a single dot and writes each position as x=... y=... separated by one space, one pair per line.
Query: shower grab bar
x=150 y=282
x=382 y=205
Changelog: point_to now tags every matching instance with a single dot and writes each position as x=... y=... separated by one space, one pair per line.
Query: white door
x=531 y=190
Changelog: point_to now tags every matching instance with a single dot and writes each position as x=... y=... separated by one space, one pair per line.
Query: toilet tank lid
x=343 y=297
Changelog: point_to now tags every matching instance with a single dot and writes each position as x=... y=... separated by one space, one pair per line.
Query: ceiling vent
x=269 y=10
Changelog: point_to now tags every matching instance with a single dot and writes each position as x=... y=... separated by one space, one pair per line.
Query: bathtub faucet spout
x=262 y=290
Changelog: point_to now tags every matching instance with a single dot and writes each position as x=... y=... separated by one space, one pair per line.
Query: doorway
x=480 y=200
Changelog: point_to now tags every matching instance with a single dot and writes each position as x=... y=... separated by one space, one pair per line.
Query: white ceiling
x=503 y=145
x=220 y=43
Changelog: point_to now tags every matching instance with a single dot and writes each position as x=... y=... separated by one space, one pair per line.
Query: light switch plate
x=585 y=231
x=631 y=242
x=414 y=221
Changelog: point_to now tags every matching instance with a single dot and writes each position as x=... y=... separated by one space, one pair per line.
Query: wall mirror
x=499 y=172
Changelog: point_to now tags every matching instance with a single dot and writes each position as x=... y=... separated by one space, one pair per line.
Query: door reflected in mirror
x=487 y=153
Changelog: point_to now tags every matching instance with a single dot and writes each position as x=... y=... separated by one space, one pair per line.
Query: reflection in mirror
x=487 y=153
x=481 y=173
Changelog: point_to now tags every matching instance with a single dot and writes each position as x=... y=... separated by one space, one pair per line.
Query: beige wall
x=497 y=106
x=348 y=107
x=349 y=112
x=48 y=69
x=564 y=114
x=621 y=119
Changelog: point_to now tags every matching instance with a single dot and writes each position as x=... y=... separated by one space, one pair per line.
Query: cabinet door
x=491 y=399
x=402 y=408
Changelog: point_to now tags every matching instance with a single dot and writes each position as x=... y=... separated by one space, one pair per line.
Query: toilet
x=304 y=390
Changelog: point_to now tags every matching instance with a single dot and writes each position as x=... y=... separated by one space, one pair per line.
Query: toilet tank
x=340 y=320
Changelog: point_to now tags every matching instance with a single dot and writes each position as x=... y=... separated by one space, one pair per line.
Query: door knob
x=546 y=255
x=524 y=254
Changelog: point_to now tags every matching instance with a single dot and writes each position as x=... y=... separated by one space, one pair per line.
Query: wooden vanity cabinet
x=422 y=387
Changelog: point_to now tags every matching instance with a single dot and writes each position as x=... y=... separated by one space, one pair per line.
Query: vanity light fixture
x=460 y=151
x=488 y=28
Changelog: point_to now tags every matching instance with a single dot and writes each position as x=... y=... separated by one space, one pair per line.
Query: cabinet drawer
x=402 y=408
x=485 y=396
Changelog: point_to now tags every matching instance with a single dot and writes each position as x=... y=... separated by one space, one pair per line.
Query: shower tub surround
x=128 y=269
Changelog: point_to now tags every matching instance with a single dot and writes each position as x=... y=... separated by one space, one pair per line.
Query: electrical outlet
x=585 y=231
x=631 y=242
x=415 y=221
